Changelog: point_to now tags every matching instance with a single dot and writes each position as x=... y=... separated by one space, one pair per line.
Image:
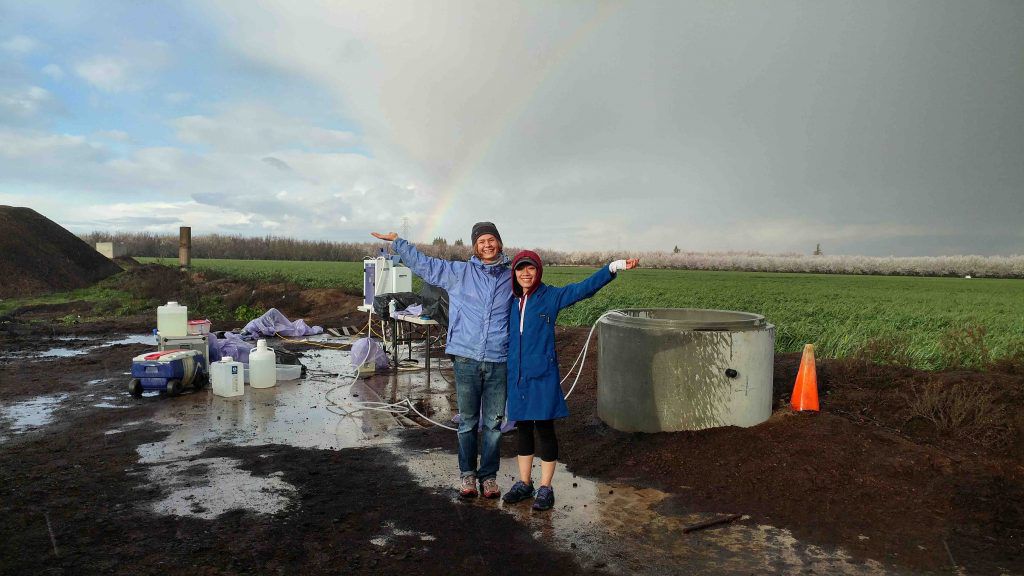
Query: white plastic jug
x=172 y=320
x=262 y=366
x=226 y=377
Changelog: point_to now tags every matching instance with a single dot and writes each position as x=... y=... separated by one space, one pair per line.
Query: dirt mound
x=37 y=255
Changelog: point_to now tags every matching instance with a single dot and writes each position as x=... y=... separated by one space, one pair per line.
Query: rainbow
x=451 y=187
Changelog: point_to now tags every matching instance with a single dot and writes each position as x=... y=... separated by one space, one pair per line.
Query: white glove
x=616 y=266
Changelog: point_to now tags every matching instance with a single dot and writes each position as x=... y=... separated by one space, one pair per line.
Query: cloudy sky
x=872 y=126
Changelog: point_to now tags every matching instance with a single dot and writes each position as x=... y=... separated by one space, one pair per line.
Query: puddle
x=391 y=532
x=133 y=339
x=208 y=487
x=295 y=413
x=57 y=353
x=64 y=352
x=617 y=527
x=120 y=430
x=29 y=414
x=113 y=402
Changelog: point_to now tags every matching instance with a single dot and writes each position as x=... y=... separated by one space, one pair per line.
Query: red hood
x=516 y=288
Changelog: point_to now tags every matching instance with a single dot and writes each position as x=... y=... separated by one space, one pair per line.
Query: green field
x=925 y=322
x=347 y=275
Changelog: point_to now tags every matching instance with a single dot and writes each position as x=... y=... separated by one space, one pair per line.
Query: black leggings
x=546 y=434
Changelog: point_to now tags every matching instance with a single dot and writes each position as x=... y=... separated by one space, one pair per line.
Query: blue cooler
x=169 y=371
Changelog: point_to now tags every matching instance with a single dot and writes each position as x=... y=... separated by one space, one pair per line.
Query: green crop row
x=923 y=322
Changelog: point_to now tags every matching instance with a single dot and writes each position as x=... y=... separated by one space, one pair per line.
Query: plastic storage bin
x=198 y=327
x=289 y=372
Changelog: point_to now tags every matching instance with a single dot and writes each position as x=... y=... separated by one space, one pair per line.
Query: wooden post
x=185 y=247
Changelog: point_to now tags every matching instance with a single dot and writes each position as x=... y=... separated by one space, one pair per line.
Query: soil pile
x=37 y=255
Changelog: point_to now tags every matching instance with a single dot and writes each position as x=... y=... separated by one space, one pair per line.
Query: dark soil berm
x=37 y=255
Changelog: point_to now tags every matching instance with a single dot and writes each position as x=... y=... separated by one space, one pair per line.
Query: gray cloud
x=253 y=128
x=874 y=127
x=696 y=119
x=20 y=44
x=126 y=222
x=131 y=67
x=277 y=163
x=27 y=105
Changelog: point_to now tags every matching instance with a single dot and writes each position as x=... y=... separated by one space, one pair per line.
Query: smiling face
x=526 y=275
x=487 y=248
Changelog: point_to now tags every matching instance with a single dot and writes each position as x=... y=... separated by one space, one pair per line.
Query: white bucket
x=226 y=377
x=172 y=320
x=262 y=366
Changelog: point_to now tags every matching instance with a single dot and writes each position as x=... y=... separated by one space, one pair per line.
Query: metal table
x=397 y=318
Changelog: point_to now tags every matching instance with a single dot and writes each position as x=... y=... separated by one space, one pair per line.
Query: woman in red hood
x=535 y=396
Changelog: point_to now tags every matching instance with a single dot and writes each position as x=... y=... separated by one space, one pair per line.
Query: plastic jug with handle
x=262 y=366
x=226 y=377
x=172 y=320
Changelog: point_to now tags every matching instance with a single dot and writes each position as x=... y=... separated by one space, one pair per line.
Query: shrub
x=245 y=313
x=962 y=411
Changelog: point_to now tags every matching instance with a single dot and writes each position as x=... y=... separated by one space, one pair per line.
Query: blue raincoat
x=534 y=392
x=479 y=299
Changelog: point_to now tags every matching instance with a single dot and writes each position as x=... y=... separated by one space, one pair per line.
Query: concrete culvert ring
x=671 y=369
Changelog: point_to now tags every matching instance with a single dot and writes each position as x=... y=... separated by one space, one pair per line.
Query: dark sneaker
x=518 y=492
x=467 y=487
x=490 y=488
x=545 y=498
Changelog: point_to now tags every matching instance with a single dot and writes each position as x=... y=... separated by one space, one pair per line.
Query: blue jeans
x=480 y=388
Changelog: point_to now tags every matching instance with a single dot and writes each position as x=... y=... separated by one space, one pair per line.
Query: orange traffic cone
x=805 y=391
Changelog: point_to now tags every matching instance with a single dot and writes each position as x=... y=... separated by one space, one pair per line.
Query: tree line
x=278 y=248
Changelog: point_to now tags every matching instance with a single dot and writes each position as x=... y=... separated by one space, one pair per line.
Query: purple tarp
x=366 y=350
x=274 y=323
x=233 y=345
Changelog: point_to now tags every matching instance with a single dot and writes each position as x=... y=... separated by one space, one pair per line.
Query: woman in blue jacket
x=535 y=397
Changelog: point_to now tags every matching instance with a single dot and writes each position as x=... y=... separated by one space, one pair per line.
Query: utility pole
x=185 y=247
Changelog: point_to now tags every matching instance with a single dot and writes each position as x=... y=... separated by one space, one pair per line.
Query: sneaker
x=467 y=487
x=545 y=499
x=518 y=492
x=490 y=488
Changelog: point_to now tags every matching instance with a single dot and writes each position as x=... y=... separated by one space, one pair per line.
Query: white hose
x=402 y=407
x=583 y=353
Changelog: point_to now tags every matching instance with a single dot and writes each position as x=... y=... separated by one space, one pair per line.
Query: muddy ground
x=869 y=473
x=865 y=473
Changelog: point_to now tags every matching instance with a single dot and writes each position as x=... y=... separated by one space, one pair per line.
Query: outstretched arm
x=573 y=293
x=433 y=270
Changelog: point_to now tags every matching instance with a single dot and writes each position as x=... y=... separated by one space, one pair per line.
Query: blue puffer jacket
x=479 y=301
x=533 y=382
